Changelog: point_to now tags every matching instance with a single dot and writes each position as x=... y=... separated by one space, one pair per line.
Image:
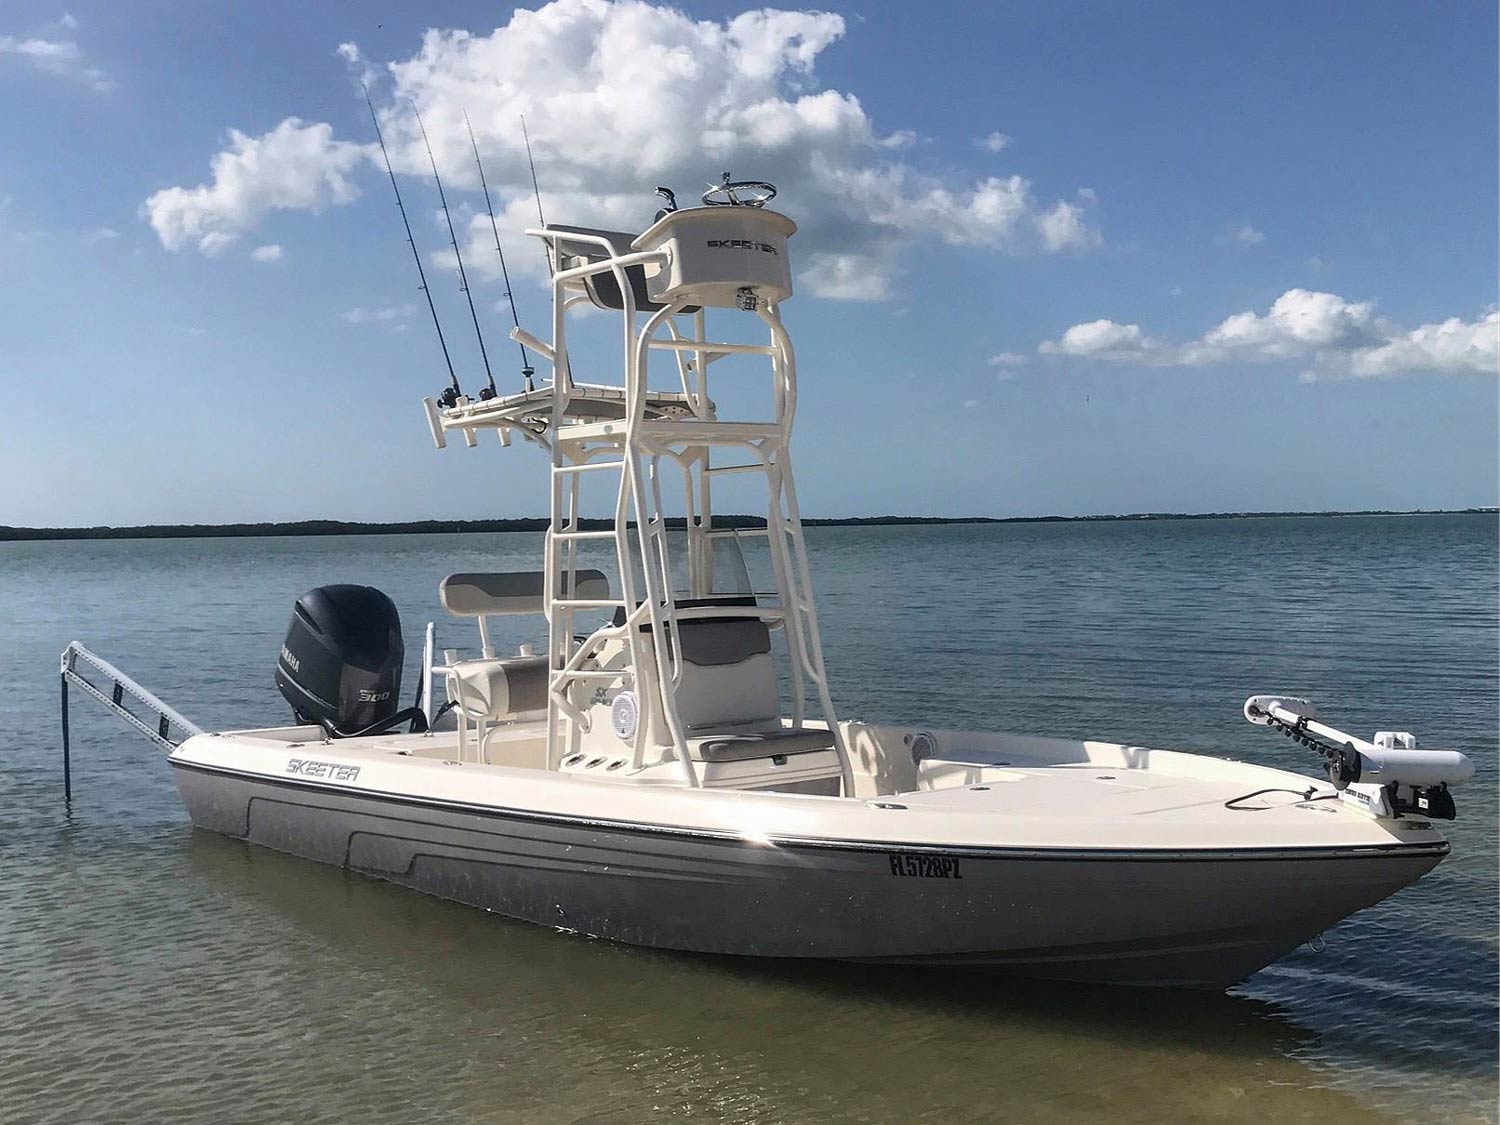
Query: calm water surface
x=149 y=972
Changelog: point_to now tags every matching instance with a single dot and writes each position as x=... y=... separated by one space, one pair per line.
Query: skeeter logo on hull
x=307 y=767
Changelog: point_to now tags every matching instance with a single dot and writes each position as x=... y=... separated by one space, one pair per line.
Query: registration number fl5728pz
x=925 y=866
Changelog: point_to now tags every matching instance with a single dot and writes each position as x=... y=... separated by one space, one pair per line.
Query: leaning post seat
x=603 y=289
x=493 y=689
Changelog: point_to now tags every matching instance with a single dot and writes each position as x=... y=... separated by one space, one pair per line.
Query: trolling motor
x=1369 y=775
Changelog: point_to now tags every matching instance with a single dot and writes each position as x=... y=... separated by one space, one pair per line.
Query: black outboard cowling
x=340 y=666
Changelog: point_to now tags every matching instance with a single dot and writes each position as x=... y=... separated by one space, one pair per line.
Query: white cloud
x=1244 y=235
x=377 y=316
x=61 y=56
x=55 y=55
x=844 y=277
x=358 y=65
x=294 y=166
x=1341 y=339
x=272 y=252
x=1009 y=359
x=901 y=138
x=995 y=142
x=1065 y=226
x=1105 y=339
x=1452 y=347
x=1301 y=322
x=621 y=96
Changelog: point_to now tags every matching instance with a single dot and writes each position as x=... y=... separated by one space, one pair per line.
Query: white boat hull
x=1200 y=918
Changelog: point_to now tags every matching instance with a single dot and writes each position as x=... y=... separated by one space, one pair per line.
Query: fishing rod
x=453 y=393
x=536 y=191
x=527 y=371
x=525 y=136
x=463 y=278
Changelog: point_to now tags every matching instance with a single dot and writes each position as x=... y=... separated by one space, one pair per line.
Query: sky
x=1069 y=258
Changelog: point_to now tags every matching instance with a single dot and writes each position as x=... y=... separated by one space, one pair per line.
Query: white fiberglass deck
x=1049 y=793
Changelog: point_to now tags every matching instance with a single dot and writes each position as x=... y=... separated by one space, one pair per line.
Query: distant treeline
x=462 y=527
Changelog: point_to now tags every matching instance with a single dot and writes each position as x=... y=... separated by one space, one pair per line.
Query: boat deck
x=1085 y=790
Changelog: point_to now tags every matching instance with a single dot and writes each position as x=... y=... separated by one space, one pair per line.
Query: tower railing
x=637 y=446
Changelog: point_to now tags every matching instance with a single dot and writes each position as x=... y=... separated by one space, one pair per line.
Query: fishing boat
x=672 y=772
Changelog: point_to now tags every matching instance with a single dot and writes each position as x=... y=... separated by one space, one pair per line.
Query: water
x=149 y=972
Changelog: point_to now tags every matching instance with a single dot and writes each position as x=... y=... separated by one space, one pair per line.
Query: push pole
x=67 y=757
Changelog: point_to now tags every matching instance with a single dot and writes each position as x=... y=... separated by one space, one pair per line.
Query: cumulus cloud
x=619 y=97
x=995 y=142
x=1105 y=339
x=1339 y=338
x=271 y=252
x=295 y=166
x=1454 y=345
x=60 y=56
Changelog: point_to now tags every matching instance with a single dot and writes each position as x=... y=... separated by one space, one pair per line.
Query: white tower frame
x=657 y=428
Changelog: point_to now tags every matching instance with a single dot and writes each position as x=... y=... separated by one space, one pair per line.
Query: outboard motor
x=340 y=666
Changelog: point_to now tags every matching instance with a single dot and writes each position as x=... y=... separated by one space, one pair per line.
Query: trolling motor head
x=1373 y=773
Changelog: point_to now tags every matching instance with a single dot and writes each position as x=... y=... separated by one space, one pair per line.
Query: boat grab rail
x=167 y=718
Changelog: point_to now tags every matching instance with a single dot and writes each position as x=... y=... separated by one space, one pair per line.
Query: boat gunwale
x=1440 y=848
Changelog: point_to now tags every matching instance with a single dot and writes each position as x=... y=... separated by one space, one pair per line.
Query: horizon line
x=315 y=527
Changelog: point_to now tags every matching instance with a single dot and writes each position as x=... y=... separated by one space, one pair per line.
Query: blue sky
x=1068 y=258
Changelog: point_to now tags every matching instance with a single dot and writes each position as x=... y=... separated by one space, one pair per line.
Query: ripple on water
x=155 y=973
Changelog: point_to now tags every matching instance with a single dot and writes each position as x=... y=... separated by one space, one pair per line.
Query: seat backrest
x=508 y=593
x=728 y=678
x=498 y=689
x=603 y=289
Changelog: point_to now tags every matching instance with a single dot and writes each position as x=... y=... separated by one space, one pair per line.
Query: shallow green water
x=151 y=972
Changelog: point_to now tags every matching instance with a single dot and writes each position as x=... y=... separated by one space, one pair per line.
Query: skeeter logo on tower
x=741 y=244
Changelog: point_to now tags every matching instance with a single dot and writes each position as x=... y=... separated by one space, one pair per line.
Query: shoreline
x=459 y=527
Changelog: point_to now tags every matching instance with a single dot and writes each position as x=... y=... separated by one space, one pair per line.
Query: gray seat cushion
x=766 y=744
x=496 y=688
x=603 y=288
x=708 y=643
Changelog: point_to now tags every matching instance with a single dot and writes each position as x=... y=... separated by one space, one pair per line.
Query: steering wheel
x=739 y=193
